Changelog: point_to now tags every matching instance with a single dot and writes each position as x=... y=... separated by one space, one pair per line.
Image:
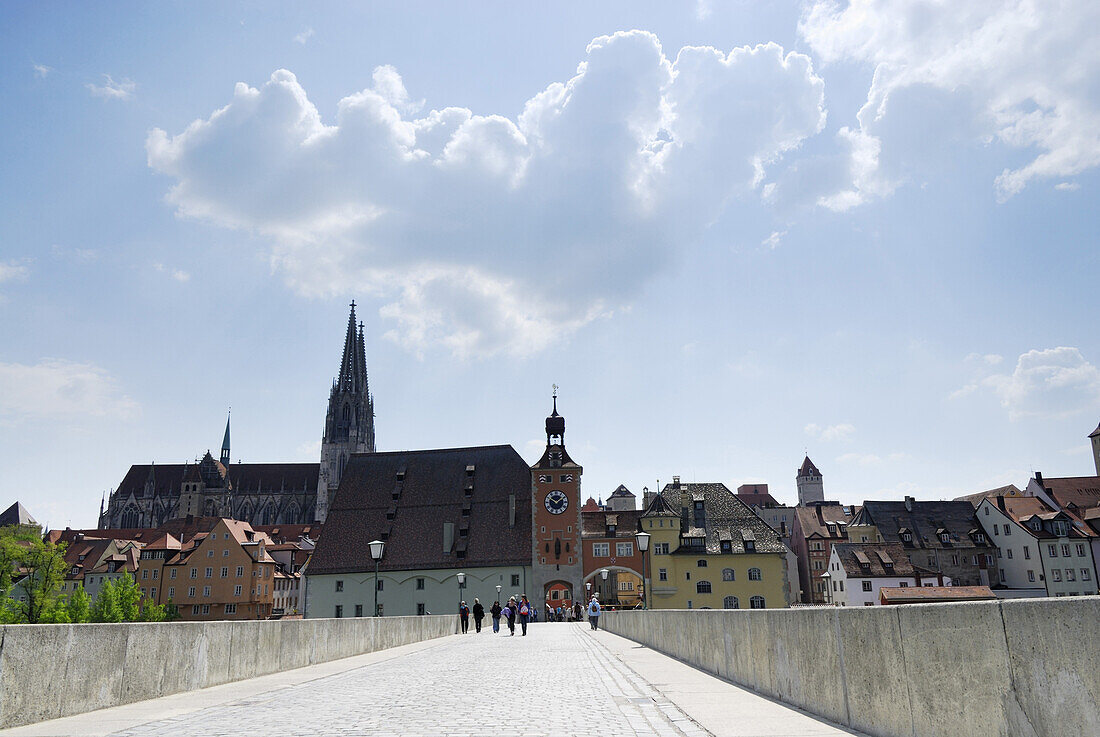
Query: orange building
x=226 y=573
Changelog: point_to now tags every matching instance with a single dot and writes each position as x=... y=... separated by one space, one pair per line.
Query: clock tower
x=557 y=572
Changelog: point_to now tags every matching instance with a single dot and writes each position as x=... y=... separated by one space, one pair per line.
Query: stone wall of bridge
x=996 y=669
x=55 y=670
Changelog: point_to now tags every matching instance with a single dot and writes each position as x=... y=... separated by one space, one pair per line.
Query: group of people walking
x=522 y=611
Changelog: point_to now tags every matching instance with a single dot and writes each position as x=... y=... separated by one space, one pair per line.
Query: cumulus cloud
x=1055 y=382
x=176 y=274
x=13 y=271
x=58 y=388
x=843 y=431
x=41 y=70
x=1019 y=72
x=304 y=36
x=112 y=90
x=484 y=233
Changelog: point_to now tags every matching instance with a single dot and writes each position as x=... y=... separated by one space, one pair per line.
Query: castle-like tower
x=811 y=487
x=349 y=424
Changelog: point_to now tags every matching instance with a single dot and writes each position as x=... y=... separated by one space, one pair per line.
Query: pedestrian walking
x=494 y=611
x=509 y=614
x=479 y=614
x=594 y=613
x=577 y=611
x=524 y=613
x=464 y=615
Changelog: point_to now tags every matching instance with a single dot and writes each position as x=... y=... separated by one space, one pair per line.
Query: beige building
x=709 y=550
x=225 y=573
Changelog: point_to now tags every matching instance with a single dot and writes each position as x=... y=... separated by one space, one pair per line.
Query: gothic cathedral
x=257 y=493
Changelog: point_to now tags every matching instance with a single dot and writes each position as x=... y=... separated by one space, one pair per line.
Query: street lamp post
x=643 y=546
x=588 y=590
x=604 y=573
x=377 y=547
x=498 y=592
x=461 y=582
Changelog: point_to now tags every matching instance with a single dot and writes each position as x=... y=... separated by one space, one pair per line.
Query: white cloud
x=41 y=70
x=454 y=219
x=14 y=271
x=58 y=388
x=772 y=241
x=703 y=9
x=843 y=431
x=304 y=36
x=1055 y=382
x=177 y=274
x=1020 y=72
x=112 y=90
x=1067 y=186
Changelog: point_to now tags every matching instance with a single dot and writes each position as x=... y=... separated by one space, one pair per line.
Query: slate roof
x=621 y=491
x=16 y=514
x=821 y=519
x=290 y=533
x=808 y=468
x=727 y=518
x=243 y=477
x=181 y=528
x=594 y=524
x=923 y=522
x=430 y=488
x=877 y=555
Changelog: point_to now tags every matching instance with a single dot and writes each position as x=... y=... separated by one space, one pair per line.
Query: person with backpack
x=594 y=613
x=464 y=615
x=577 y=611
x=479 y=614
x=509 y=613
x=524 y=613
x=495 y=611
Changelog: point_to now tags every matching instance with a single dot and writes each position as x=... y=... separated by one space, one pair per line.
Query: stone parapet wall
x=996 y=669
x=56 y=670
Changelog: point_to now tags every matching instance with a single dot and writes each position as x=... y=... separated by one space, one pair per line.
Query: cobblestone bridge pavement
x=562 y=680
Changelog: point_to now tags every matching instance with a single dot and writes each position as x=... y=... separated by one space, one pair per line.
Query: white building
x=857 y=572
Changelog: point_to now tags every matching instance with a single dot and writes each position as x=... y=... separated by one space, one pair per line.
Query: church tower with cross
x=349 y=423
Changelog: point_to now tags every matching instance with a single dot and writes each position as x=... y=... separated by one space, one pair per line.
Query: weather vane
x=555 y=391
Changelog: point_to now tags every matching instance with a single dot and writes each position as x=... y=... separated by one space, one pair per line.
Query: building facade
x=858 y=571
x=709 y=550
x=610 y=544
x=817 y=528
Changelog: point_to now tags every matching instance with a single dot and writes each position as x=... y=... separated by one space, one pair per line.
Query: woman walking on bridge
x=495 y=611
x=479 y=614
x=464 y=615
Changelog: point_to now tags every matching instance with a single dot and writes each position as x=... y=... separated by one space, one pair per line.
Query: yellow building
x=710 y=550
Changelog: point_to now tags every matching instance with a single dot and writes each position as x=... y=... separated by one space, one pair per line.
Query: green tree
x=31 y=573
x=79 y=606
x=105 y=608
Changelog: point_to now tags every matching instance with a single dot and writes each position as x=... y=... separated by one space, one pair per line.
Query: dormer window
x=906 y=537
x=726 y=546
x=979 y=537
x=1059 y=528
x=944 y=537
x=750 y=546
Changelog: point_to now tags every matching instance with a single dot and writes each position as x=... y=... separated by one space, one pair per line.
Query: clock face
x=556 y=502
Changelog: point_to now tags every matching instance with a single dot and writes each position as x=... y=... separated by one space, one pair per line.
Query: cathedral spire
x=225 y=440
x=348 y=379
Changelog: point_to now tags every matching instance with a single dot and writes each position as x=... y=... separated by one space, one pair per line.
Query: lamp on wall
x=377 y=548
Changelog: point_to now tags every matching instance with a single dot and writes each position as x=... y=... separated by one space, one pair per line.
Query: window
x=172 y=574
x=1070 y=576
x=171 y=592
x=660 y=548
x=1009 y=552
x=728 y=574
x=1056 y=575
x=725 y=546
x=419 y=584
x=662 y=574
x=819 y=565
x=989 y=559
x=153 y=592
x=191 y=592
x=626 y=585
x=817 y=545
x=230 y=608
x=225 y=572
x=702 y=587
x=515 y=579
x=623 y=550
x=142 y=591
x=225 y=553
x=195 y=609
x=700 y=514
x=987 y=511
x=1080 y=552
x=756 y=602
x=1085 y=576
x=954 y=560
x=730 y=602
x=754 y=574
x=237 y=590
x=209 y=573
x=690 y=605
x=996 y=530
x=339 y=586
x=194 y=573
x=1060 y=528
x=378 y=585
x=144 y=573
x=359 y=610
x=1065 y=551
x=378 y=613
x=1008 y=530
x=866 y=585
x=339 y=611
x=421 y=610
x=206 y=591
x=687 y=576
x=209 y=553
x=701 y=563
x=906 y=537
x=903 y=584
x=1031 y=576
x=601 y=550
x=1027 y=552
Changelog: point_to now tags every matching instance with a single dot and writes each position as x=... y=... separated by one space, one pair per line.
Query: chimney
x=909 y=503
x=675 y=482
x=1039 y=478
x=448 y=536
x=78 y=537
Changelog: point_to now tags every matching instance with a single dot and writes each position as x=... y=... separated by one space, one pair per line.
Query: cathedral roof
x=16 y=514
x=244 y=477
x=430 y=487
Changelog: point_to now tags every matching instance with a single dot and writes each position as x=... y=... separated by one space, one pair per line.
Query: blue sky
x=731 y=232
